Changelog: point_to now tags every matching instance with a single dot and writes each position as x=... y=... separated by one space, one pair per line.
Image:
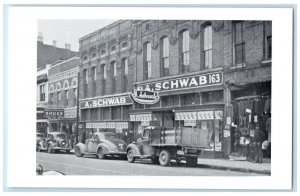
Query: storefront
x=192 y=102
x=107 y=114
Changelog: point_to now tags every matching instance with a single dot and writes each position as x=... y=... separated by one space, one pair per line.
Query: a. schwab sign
x=105 y=102
x=195 y=81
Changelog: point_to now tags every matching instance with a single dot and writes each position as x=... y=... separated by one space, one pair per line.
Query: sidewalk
x=243 y=166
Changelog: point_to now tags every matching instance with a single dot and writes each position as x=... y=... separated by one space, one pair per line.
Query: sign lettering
x=104 y=102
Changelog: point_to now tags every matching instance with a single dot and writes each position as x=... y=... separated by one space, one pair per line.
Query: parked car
x=40 y=171
x=55 y=141
x=102 y=144
x=39 y=138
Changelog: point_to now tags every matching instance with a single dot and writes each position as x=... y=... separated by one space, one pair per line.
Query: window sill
x=267 y=62
x=238 y=66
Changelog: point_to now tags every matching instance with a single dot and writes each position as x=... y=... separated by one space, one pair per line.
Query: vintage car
x=39 y=137
x=102 y=144
x=54 y=141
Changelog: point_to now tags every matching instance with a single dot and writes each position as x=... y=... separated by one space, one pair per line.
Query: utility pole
x=77 y=112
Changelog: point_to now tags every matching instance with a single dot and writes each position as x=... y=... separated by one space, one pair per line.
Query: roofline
x=54 y=65
x=60 y=48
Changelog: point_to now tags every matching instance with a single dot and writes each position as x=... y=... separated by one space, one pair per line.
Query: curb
x=235 y=169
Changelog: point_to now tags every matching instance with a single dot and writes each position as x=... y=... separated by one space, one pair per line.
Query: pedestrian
x=257 y=145
x=72 y=140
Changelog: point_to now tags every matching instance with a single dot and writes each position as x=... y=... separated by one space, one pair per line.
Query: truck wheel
x=77 y=152
x=100 y=154
x=164 y=158
x=130 y=156
x=191 y=161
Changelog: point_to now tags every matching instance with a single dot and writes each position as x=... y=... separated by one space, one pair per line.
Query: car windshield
x=61 y=136
x=110 y=136
x=39 y=135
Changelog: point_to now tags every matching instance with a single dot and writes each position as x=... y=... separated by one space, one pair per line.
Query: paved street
x=69 y=164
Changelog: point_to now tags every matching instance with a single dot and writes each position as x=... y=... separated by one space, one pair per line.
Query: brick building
x=173 y=73
x=62 y=95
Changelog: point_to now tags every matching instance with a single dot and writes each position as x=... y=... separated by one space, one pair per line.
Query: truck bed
x=184 y=137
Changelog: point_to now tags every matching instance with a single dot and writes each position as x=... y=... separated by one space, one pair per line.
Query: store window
x=94 y=114
x=191 y=99
x=84 y=114
x=184 y=37
x=147 y=60
x=106 y=113
x=212 y=97
x=239 y=43
x=207 y=46
x=42 y=93
x=164 y=45
x=116 y=113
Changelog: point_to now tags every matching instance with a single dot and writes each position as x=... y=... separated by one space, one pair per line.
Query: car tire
x=191 y=161
x=164 y=158
x=130 y=156
x=100 y=153
x=78 y=152
x=50 y=149
x=38 y=148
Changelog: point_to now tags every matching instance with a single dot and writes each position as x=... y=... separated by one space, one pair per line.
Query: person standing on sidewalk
x=257 y=144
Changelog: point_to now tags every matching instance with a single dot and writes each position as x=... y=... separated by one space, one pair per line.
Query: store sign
x=105 y=102
x=54 y=113
x=70 y=113
x=144 y=95
x=191 y=123
x=196 y=81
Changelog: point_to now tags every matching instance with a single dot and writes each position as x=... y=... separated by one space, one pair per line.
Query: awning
x=199 y=115
x=107 y=125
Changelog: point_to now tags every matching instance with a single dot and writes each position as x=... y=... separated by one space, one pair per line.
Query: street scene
x=155 y=98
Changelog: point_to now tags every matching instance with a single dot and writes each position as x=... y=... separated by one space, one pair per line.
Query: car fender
x=81 y=147
x=135 y=149
x=104 y=147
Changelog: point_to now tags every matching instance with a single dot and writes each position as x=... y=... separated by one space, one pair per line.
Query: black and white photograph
x=158 y=98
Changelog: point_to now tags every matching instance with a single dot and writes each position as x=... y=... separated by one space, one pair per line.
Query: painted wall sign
x=54 y=113
x=196 y=81
x=105 y=102
x=144 y=95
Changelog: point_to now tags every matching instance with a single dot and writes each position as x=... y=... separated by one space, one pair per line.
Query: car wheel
x=191 y=161
x=130 y=156
x=50 y=149
x=78 y=152
x=164 y=158
x=100 y=154
x=39 y=148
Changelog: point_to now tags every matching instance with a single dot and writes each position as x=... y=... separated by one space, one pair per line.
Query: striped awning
x=199 y=115
x=108 y=125
x=140 y=117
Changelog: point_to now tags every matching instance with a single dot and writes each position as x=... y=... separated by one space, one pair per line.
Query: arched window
x=51 y=89
x=147 y=60
x=164 y=53
x=74 y=82
x=184 y=37
x=66 y=84
x=58 y=86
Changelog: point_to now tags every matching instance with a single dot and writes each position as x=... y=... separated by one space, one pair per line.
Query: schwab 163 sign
x=104 y=102
x=195 y=81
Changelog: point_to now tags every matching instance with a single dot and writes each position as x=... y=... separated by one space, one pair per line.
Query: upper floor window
x=147 y=60
x=207 y=46
x=85 y=76
x=85 y=59
x=269 y=47
x=148 y=26
x=75 y=96
x=185 y=50
x=124 y=44
x=42 y=93
x=94 y=73
x=59 y=96
x=66 y=97
x=102 y=52
x=238 y=43
x=113 y=48
x=165 y=56
x=124 y=64
x=94 y=55
x=114 y=69
x=103 y=71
